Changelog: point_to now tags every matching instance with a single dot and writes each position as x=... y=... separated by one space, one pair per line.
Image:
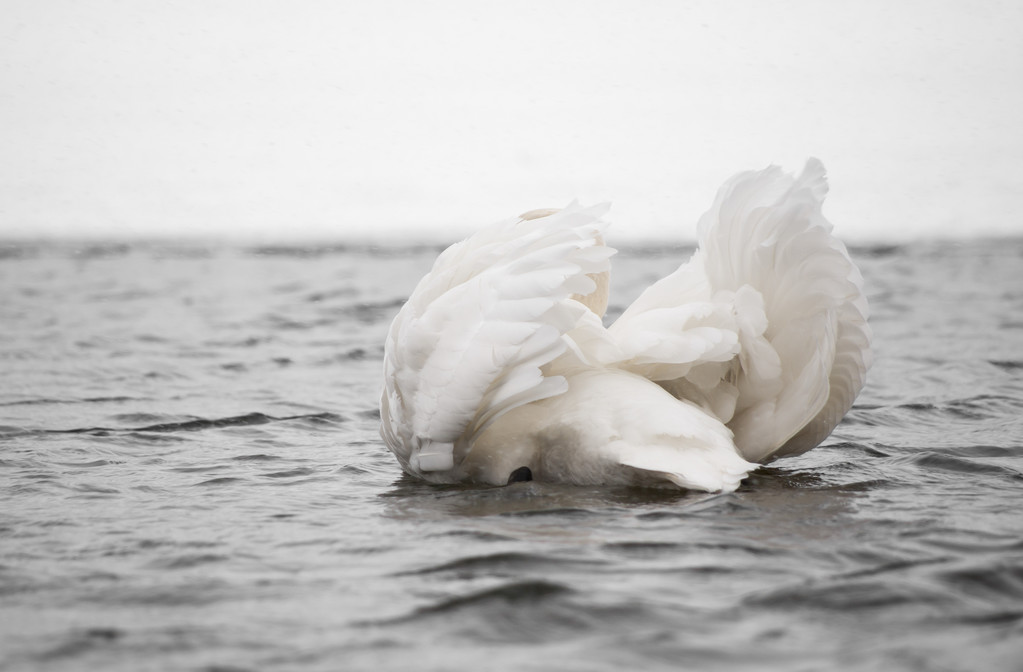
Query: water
x=191 y=479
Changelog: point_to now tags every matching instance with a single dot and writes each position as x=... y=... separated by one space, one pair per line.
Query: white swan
x=498 y=367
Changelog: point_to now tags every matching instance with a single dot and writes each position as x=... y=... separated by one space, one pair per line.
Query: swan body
x=499 y=364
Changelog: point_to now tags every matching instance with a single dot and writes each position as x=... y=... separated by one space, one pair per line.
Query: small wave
x=94 y=490
x=499 y=564
x=87 y=400
x=141 y=417
x=513 y=593
x=223 y=480
x=371 y=312
x=90 y=464
x=1007 y=365
x=81 y=642
x=474 y=535
x=850 y=595
x=559 y=512
x=643 y=550
x=188 y=561
x=291 y=473
x=258 y=457
x=945 y=462
x=876 y=251
x=994 y=582
x=199 y=424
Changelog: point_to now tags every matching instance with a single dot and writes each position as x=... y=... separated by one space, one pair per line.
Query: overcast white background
x=394 y=121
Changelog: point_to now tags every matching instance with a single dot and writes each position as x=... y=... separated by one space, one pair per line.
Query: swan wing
x=766 y=326
x=470 y=343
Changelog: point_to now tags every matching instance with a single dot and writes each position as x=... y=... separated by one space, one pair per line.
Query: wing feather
x=766 y=326
x=472 y=340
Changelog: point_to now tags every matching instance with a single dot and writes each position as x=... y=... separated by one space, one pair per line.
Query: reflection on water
x=193 y=479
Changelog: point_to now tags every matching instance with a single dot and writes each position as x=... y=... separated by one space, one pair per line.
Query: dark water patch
x=356 y=470
x=643 y=549
x=80 y=642
x=87 y=400
x=943 y=462
x=93 y=489
x=996 y=582
x=503 y=565
x=780 y=477
x=984 y=451
x=161 y=438
x=867 y=449
x=152 y=338
x=373 y=312
x=744 y=547
x=315 y=420
x=298 y=482
x=291 y=473
x=895 y=567
x=527 y=613
x=1012 y=365
x=200 y=592
x=18 y=250
x=257 y=457
x=223 y=480
x=876 y=251
x=996 y=618
x=517 y=593
x=570 y=513
x=973 y=542
x=152 y=419
x=200 y=424
x=339 y=293
x=852 y=596
x=199 y=468
x=187 y=561
x=9 y=432
x=473 y=535
x=705 y=505
x=90 y=464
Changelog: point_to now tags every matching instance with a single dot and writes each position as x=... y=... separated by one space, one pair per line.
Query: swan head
x=597 y=299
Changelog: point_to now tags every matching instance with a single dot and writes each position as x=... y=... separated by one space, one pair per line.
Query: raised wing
x=469 y=344
x=766 y=327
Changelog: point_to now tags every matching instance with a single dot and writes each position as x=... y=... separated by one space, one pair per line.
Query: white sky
x=256 y=119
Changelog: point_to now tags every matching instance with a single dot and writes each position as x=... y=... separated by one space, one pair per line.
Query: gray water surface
x=191 y=478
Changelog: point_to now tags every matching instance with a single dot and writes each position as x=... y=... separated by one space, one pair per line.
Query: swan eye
x=520 y=475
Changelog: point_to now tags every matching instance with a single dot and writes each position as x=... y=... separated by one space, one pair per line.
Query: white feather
x=753 y=349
